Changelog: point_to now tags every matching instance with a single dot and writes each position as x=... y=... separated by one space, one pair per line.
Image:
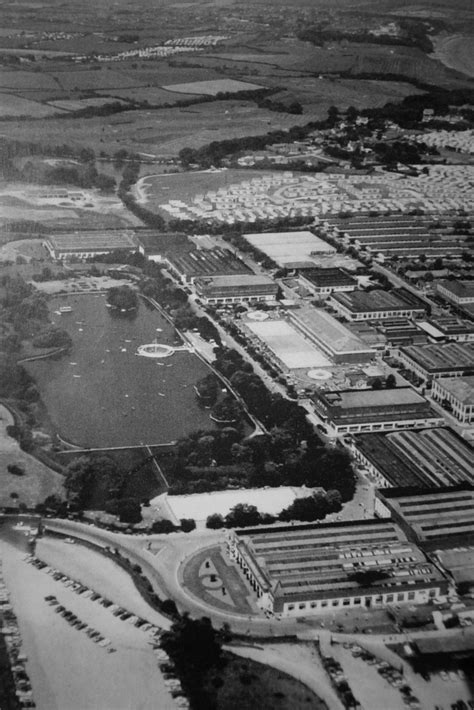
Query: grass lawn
x=37 y=482
x=245 y=684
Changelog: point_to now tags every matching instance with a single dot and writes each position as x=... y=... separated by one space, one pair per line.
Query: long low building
x=443 y=328
x=377 y=305
x=287 y=345
x=84 y=245
x=236 y=289
x=436 y=519
x=301 y=570
x=205 y=263
x=291 y=250
x=331 y=336
x=433 y=361
x=458 y=394
x=358 y=411
x=427 y=458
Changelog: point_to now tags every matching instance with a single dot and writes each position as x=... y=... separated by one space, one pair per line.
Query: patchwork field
x=213 y=87
x=11 y=105
x=162 y=133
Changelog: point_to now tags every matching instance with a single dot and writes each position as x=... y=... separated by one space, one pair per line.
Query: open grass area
x=11 y=105
x=246 y=684
x=37 y=482
x=163 y=132
x=157 y=189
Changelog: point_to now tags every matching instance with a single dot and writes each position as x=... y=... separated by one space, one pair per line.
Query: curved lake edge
x=190 y=372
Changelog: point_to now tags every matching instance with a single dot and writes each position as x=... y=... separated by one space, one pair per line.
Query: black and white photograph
x=237 y=354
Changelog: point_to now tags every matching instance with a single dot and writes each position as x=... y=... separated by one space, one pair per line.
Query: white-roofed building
x=199 y=506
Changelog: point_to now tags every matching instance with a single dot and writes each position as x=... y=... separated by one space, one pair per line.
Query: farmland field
x=211 y=88
x=11 y=105
x=163 y=132
x=18 y=80
x=154 y=95
x=78 y=104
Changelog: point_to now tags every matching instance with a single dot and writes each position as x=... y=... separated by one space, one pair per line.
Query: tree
x=215 y=521
x=129 y=510
x=390 y=382
x=227 y=410
x=187 y=524
x=242 y=515
x=314 y=507
x=163 y=527
x=377 y=384
x=15 y=469
x=208 y=389
x=192 y=644
x=122 y=297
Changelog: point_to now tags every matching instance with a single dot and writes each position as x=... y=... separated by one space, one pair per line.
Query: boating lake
x=102 y=394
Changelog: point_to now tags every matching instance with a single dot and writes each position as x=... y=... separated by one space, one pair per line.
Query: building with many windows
x=200 y=263
x=358 y=411
x=457 y=292
x=458 y=393
x=323 y=282
x=300 y=570
x=427 y=458
x=377 y=305
x=431 y=362
x=448 y=328
x=84 y=245
x=435 y=519
x=236 y=289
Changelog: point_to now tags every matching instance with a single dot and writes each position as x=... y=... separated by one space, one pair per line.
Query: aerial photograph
x=237 y=354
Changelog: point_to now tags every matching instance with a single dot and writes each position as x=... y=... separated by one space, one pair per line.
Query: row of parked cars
x=172 y=682
x=389 y=673
x=12 y=639
x=165 y=664
x=88 y=593
x=78 y=624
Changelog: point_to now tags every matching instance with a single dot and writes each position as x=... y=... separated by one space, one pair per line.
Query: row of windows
x=357 y=601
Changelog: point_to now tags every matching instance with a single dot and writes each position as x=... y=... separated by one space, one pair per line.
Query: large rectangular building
x=457 y=292
x=205 y=263
x=291 y=250
x=427 y=458
x=377 y=304
x=448 y=328
x=308 y=569
x=458 y=393
x=84 y=245
x=433 y=361
x=331 y=336
x=236 y=289
x=441 y=518
x=323 y=282
x=291 y=350
x=358 y=411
